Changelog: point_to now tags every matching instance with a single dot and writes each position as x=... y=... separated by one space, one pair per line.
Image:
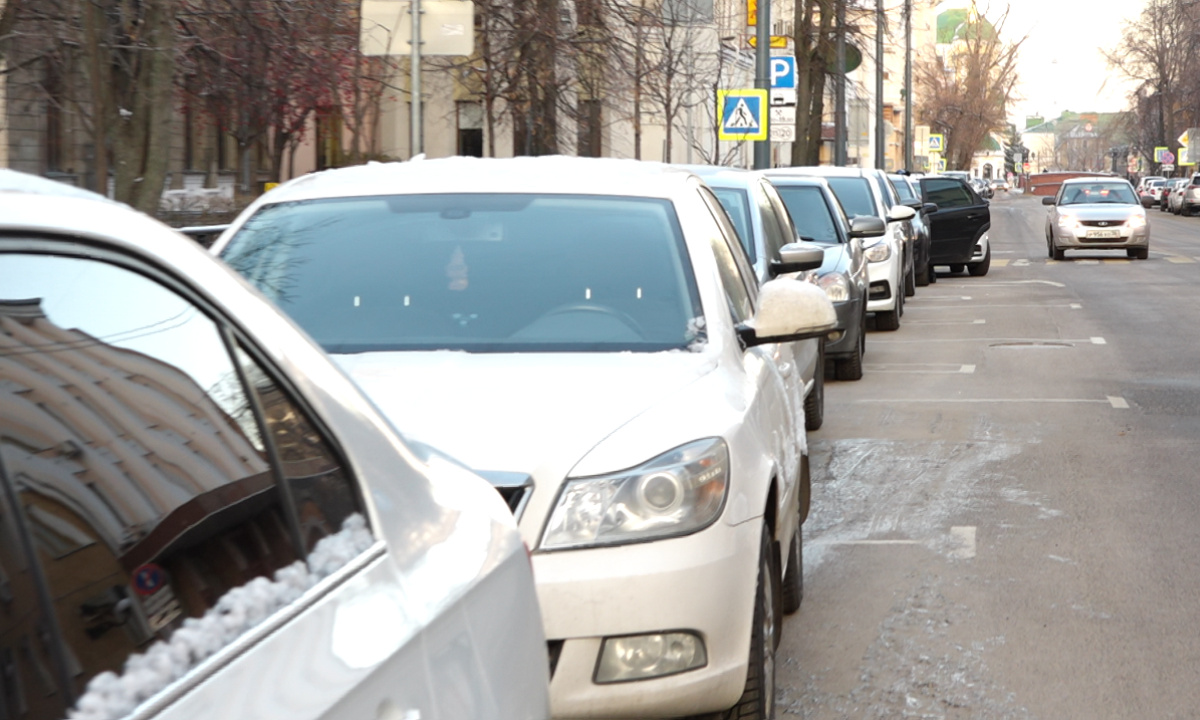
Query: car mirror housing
x=788 y=310
x=867 y=227
x=929 y=208
x=796 y=258
x=900 y=213
x=1047 y=201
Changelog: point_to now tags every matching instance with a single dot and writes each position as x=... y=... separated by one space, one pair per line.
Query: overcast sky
x=1061 y=64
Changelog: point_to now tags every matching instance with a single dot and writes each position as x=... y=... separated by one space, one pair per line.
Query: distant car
x=1172 y=194
x=864 y=192
x=909 y=192
x=1189 y=196
x=999 y=184
x=983 y=187
x=959 y=227
x=1150 y=193
x=589 y=333
x=202 y=517
x=769 y=237
x=844 y=275
x=1096 y=213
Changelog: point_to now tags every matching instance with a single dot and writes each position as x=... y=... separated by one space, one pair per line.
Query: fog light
x=639 y=657
x=835 y=336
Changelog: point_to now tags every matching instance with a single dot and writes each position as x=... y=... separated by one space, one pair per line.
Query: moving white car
x=590 y=335
x=202 y=517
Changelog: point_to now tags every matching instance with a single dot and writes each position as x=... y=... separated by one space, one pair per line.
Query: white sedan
x=589 y=335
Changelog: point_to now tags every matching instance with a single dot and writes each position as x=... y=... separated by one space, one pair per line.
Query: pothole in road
x=1033 y=344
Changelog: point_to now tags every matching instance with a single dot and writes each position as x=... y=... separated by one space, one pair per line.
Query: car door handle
x=972 y=216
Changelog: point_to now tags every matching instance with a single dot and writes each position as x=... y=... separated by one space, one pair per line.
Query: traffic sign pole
x=762 y=80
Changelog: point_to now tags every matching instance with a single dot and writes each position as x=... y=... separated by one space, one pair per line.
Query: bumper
x=1129 y=239
x=884 y=282
x=849 y=327
x=704 y=583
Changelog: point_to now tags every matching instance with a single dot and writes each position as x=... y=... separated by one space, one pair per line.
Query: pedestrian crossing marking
x=1179 y=259
x=741 y=118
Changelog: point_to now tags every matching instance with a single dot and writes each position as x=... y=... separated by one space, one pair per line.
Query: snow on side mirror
x=788 y=310
x=900 y=213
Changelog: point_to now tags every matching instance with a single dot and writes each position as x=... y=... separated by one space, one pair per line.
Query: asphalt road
x=1006 y=508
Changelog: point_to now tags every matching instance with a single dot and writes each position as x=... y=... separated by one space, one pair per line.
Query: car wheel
x=814 y=403
x=758 y=699
x=922 y=278
x=889 y=320
x=793 y=576
x=980 y=268
x=910 y=282
x=932 y=274
x=1057 y=253
x=1138 y=253
x=1049 y=248
x=957 y=268
x=851 y=368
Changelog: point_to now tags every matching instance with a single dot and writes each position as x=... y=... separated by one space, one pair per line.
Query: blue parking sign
x=783 y=72
x=743 y=114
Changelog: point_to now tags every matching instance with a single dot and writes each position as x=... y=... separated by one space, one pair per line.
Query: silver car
x=200 y=515
x=1097 y=213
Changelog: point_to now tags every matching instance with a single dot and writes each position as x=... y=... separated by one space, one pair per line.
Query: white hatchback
x=589 y=335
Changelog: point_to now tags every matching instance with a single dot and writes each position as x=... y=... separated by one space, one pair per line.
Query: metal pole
x=908 y=92
x=762 y=78
x=880 y=140
x=416 y=145
x=839 y=88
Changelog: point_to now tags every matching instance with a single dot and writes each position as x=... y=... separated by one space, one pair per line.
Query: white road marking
x=921 y=368
x=1020 y=282
x=967 y=401
x=1099 y=341
x=1021 y=262
x=967 y=369
x=875 y=542
x=1014 y=341
x=947 y=322
x=1076 y=306
x=1118 y=402
x=965 y=537
x=917 y=308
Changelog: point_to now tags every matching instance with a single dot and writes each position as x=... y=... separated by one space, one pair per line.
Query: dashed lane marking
x=1179 y=259
x=946 y=322
x=1118 y=403
x=997 y=401
x=964 y=537
x=920 y=368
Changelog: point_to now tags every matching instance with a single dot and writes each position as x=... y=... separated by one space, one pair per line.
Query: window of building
x=470 y=129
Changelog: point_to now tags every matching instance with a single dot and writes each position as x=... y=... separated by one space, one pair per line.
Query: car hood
x=518 y=412
x=837 y=255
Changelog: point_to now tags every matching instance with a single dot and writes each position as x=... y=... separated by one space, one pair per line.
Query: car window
x=736 y=275
x=142 y=476
x=854 y=194
x=1107 y=193
x=776 y=235
x=903 y=189
x=787 y=226
x=885 y=190
x=947 y=193
x=811 y=214
x=475 y=272
x=737 y=206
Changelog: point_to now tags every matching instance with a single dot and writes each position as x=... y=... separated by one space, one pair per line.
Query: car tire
x=793 y=576
x=814 y=402
x=889 y=320
x=1138 y=253
x=1058 y=253
x=922 y=278
x=955 y=269
x=758 y=699
x=932 y=274
x=910 y=282
x=851 y=368
x=980 y=268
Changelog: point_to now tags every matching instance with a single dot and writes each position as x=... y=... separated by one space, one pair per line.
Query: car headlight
x=1136 y=221
x=676 y=493
x=878 y=252
x=1069 y=221
x=836 y=286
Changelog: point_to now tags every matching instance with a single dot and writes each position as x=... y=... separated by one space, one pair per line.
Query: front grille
x=879 y=291
x=1102 y=223
x=1102 y=240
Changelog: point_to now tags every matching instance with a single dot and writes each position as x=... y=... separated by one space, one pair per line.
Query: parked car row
x=536 y=424
x=1180 y=196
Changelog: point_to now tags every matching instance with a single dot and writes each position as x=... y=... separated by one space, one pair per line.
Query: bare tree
x=815 y=55
x=964 y=95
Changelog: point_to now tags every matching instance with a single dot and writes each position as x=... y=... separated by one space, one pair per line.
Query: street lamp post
x=762 y=78
x=415 y=138
x=839 y=87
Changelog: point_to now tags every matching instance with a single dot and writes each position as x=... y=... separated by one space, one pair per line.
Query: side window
x=947 y=193
x=885 y=191
x=776 y=223
x=140 y=470
x=731 y=262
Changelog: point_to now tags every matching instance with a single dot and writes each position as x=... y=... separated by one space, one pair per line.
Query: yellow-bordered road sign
x=937 y=142
x=742 y=114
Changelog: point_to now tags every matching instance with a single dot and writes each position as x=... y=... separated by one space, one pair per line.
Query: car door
x=962 y=216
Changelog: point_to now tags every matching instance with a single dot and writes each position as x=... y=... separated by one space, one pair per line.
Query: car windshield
x=1117 y=193
x=737 y=205
x=476 y=272
x=810 y=213
x=903 y=189
x=854 y=193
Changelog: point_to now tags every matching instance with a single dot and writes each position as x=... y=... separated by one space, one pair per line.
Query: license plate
x=1104 y=233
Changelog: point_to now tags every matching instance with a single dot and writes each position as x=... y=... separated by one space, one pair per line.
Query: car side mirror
x=900 y=213
x=788 y=310
x=794 y=257
x=867 y=227
x=1048 y=201
x=929 y=208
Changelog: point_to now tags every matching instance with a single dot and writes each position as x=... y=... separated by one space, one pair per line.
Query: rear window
x=810 y=213
x=854 y=193
x=476 y=272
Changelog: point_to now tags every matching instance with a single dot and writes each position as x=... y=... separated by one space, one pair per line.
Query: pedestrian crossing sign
x=743 y=114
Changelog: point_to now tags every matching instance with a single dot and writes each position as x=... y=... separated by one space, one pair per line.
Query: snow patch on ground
x=110 y=696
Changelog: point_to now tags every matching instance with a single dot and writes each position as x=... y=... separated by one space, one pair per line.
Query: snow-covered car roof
x=12 y=181
x=548 y=174
x=821 y=170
